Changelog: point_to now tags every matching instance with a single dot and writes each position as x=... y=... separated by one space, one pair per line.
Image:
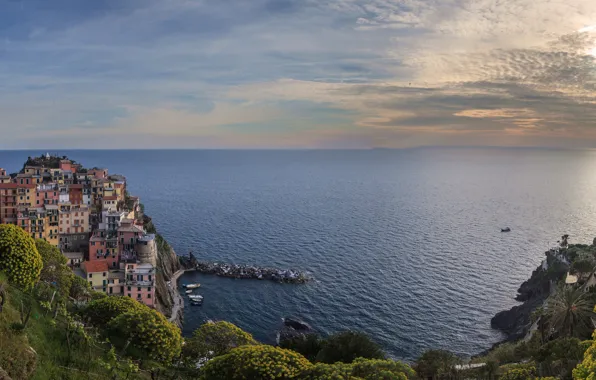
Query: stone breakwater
x=288 y=276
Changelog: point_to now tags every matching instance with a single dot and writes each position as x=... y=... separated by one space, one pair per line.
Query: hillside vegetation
x=53 y=326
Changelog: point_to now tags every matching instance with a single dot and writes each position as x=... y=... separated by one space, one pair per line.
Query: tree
x=436 y=364
x=215 y=339
x=19 y=258
x=145 y=333
x=347 y=346
x=54 y=270
x=570 y=312
x=308 y=345
x=558 y=357
x=256 y=362
x=382 y=369
x=522 y=373
x=79 y=287
x=587 y=368
x=102 y=310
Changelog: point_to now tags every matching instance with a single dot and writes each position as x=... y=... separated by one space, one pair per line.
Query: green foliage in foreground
x=215 y=339
x=54 y=269
x=100 y=312
x=19 y=258
x=267 y=362
x=147 y=334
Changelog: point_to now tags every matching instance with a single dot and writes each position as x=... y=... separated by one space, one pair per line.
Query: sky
x=297 y=73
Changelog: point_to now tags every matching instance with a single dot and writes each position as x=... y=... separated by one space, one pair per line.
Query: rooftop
x=116 y=274
x=95 y=266
x=73 y=255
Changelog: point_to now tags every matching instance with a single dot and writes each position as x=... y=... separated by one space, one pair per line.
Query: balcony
x=139 y=283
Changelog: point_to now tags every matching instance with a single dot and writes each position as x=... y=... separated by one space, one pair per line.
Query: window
x=104 y=274
x=149 y=288
x=138 y=289
x=129 y=294
x=129 y=288
x=90 y=275
x=139 y=295
x=111 y=290
x=148 y=295
x=93 y=243
x=38 y=201
x=91 y=283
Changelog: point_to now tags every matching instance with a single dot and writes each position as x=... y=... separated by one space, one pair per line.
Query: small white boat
x=189 y=291
x=192 y=286
x=195 y=297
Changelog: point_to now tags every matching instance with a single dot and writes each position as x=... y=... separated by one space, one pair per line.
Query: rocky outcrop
x=294 y=328
x=167 y=265
x=516 y=322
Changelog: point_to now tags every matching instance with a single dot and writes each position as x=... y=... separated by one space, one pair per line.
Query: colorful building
x=140 y=282
x=75 y=194
x=47 y=194
x=96 y=273
x=8 y=203
x=74 y=219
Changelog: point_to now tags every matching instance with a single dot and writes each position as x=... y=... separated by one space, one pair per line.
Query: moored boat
x=506 y=229
x=192 y=286
x=189 y=291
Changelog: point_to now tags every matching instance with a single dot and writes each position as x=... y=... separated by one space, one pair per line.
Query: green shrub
x=19 y=258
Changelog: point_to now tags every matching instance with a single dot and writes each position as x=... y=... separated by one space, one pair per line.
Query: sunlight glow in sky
x=296 y=73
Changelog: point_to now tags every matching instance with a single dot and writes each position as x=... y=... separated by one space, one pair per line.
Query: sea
x=404 y=245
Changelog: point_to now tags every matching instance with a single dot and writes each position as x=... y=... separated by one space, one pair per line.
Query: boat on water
x=196 y=299
x=192 y=286
x=189 y=291
x=506 y=229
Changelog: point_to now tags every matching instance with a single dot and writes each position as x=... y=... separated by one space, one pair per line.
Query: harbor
x=286 y=276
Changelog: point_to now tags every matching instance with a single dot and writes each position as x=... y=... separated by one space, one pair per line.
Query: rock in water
x=296 y=324
x=294 y=328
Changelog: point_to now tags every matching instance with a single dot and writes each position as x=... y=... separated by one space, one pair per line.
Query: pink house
x=128 y=234
x=98 y=173
x=100 y=250
x=140 y=282
x=66 y=165
x=47 y=194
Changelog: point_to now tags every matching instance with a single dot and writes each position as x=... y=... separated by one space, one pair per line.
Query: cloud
x=298 y=73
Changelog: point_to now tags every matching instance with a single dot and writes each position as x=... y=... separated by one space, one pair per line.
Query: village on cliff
x=89 y=215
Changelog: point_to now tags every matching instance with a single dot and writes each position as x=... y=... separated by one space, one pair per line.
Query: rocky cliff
x=167 y=265
x=516 y=322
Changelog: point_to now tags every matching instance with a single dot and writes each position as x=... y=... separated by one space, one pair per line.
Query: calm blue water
x=405 y=245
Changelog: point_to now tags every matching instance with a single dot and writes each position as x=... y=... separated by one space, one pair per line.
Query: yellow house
x=26 y=195
x=34 y=170
x=96 y=273
x=4 y=178
x=50 y=232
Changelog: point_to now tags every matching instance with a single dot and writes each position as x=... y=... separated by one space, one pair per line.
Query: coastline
x=177 y=312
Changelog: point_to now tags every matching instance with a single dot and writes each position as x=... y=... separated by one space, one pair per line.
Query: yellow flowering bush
x=102 y=310
x=19 y=258
x=147 y=333
x=215 y=339
x=256 y=362
x=587 y=368
x=323 y=371
x=378 y=369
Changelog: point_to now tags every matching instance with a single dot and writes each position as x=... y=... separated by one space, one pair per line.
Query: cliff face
x=516 y=322
x=167 y=265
